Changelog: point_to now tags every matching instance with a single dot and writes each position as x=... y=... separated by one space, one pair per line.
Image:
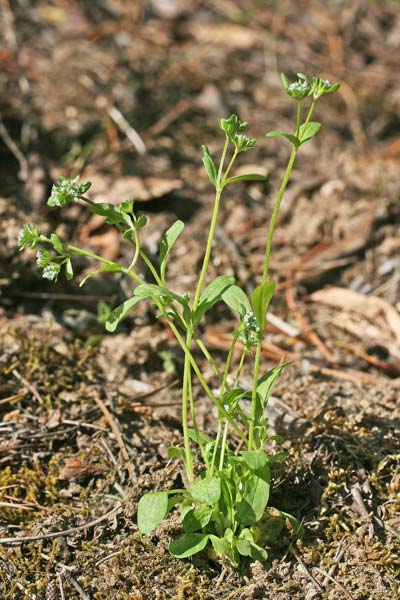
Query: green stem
x=298 y=118
x=137 y=251
x=223 y=446
x=240 y=367
x=268 y=246
x=275 y=213
x=222 y=161
x=81 y=252
x=208 y=356
x=150 y=266
x=229 y=166
x=310 y=112
x=185 y=413
x=223 y=387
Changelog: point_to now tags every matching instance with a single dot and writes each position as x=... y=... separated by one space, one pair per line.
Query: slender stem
x=310 y=112
x=208 y=356
x=189 y=335
x=185 y=420
x=298 y=118
x=271 y=229
x=223 y=387
x=223 y=446
x=216 y=444
x=275 y=213
x=199 y=374
x=240 y=367
x=228 y=362
x=222 y=161
x=137 y=251
x=150 y=266
x=230 y=166
x=224 y=437
x=207 y=253
x=81 y=252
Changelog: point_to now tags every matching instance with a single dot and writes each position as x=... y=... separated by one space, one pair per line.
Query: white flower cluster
x=299 y=86
x=51 y=271
x=249 y=330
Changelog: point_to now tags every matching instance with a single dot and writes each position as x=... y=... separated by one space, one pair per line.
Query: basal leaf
x=152 y=509
x=255 y=459
x=197 y=519
x=254 y=497
x=188 y=544
x=206 y=491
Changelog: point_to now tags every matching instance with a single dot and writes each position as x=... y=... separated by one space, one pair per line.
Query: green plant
x=225 y=501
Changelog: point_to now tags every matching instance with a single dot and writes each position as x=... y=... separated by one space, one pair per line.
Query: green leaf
x=278 y=456
x=120 y=312
x=167 y=241
x=230 y=399
x=57 y=244
x=308 y=131
x=197 y=518
x=243 y=547
x=255 y=459
x=206 y=491
x=285 y=81
x=104 y=269
x=69 y=271
x=290 y=137
x=264 y=385
x=260 y=299
x=258 y=553
x=151 y=290
x=198 y=437
x=236 y=299
x=254 y=497
x=152 y=509
x=188 y=544
x=114 y=215
x=211 y=294
x=247 y=177
x=209 y=166
x=175 y=452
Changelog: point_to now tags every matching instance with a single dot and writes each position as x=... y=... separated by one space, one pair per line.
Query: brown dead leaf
x=371 y=307
x=76 y=470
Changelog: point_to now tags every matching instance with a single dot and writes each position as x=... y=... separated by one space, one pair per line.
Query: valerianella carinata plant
x=224 y=505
